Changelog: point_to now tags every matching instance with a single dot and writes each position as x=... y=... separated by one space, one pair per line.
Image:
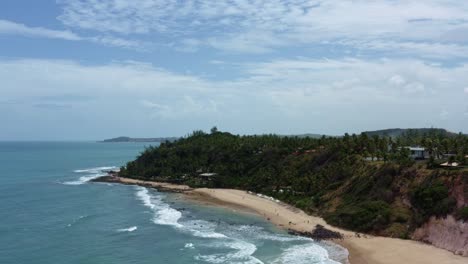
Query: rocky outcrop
x=319 y=233
x=446 y=233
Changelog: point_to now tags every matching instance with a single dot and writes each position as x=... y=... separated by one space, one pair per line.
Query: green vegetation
x=433 y=199
x=463 y=213
x=364 y=216
x=361 y=182
x=129 y=139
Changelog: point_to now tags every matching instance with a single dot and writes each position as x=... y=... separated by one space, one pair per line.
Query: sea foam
x=130 y=229
x=189 y=245
x=259 y=233
x=84 y=179
x=163 y=213
x=92 y=173
x=96 y=169
x=305 y=254
x=238 y=239
x=242 y=254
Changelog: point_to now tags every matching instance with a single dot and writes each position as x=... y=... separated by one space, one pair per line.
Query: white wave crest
x=92 y=173
x=130 y=229
x=84 y=179
x=189 y=245
x=305 y=254
x=201 y=228
x=163 y=213
x=259 y=233
x=243 y=253
x=96 y=169
x=208 y=234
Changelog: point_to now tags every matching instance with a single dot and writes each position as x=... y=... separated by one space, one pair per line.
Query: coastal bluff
x=447 y=233
x=363 y=249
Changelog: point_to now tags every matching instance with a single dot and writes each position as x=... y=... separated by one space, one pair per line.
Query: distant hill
x=397 y=132
x=129 y=139
x=307 y=135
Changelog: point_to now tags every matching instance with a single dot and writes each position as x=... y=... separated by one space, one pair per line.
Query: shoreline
x=363 y=249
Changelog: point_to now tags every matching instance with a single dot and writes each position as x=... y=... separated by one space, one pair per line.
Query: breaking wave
x=239 y=240
x=163 y=213
x=305 y=254
x=130 y=229
x=243 y=252
x=91 y=173
x=96 y=169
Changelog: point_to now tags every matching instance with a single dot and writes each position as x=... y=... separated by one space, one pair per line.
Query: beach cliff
x=363 y=249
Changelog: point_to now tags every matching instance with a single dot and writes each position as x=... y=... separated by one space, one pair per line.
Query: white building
x=418 y=153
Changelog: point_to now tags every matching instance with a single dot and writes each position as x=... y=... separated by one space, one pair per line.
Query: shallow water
x=52 y=214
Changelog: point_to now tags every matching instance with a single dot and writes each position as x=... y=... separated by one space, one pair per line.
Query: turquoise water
x=51 y=214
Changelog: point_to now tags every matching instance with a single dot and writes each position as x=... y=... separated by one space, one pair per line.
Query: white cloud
x=415 y=87
x=466 y=90
x=343 y=94
x=444 y=114
x=11 y=28
x=433 y=50
x=397 y=80
x=430 y=28
x=187 y=106
x=55 y=77
x=121 y=43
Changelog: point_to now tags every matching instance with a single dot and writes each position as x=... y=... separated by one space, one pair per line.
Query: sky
x=94 y=69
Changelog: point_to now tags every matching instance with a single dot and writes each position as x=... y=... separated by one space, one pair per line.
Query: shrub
x=433 y=200
x=304 y=203
x=463 y=213
x=365 y=216
x=397 y=230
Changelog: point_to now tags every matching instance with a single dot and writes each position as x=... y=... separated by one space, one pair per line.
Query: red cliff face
x=445 y=233
x=448 y=233
x=460 y=191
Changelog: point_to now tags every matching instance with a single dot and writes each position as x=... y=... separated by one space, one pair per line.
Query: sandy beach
x=362 y=250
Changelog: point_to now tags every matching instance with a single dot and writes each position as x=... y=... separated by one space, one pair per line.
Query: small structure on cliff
x=418 y=153
x=450 y=164
x=207 y=175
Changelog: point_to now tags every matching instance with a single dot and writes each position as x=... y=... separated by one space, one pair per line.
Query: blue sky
x=92 y=69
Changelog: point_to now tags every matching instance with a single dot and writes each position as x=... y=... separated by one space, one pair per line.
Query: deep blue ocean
x=49 y=213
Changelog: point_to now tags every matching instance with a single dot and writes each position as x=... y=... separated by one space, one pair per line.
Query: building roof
x=207 y=174
x=447 y=164
x=416 y=148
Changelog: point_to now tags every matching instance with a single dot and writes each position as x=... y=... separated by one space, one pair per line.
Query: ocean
x=50 y=213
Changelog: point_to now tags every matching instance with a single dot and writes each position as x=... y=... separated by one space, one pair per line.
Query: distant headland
x=129 y=139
